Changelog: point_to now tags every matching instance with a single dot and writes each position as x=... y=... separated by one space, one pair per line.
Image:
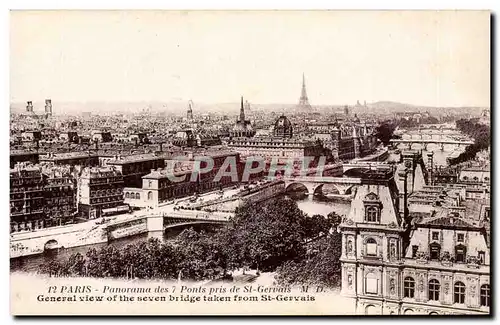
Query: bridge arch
x=318 y=189
x=50 y=245
x=296 y=186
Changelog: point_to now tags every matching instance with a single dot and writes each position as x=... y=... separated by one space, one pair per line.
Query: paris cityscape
x=386 y=202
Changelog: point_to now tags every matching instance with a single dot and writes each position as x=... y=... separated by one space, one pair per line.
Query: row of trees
x=414 y=122
x=271 y=236
x=481 y=135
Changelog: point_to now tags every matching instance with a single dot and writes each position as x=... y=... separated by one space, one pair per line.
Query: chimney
x=404 y=175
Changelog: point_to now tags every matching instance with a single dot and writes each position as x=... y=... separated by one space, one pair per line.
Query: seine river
x=308 y=204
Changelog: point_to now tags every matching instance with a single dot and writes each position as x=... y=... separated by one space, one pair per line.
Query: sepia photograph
x=250 y=162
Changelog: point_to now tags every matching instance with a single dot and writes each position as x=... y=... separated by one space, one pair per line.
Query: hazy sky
x=426 y=58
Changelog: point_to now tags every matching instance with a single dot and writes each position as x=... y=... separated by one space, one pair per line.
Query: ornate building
x=399 y=263
x=283 y=145
x=350 y=141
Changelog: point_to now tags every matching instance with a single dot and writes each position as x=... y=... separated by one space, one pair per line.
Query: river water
x=309 y=204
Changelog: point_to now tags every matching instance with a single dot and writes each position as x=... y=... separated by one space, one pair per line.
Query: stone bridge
x=316 y=183
x=372 y=165
x=432 y=135
x=426 y=142
x=183 y=217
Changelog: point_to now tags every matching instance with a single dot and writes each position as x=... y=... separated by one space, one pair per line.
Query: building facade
x=183 y=178
x=100 y=192
x=134 y=167
x=26 y=198
x=392 y=264
x=60 y=196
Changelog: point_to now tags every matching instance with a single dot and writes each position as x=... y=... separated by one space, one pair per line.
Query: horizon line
x=252 y=103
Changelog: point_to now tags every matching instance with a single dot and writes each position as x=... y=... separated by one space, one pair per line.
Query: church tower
x=303 y=100
x=190 y=110
x=48 y=107
x=242 y=111
x=372 y=245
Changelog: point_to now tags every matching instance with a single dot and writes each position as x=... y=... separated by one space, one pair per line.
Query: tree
x=317 y=225
x=385 y=131
x=320 y=266
x=201 y=255
x=482 y=139
x=265 y=235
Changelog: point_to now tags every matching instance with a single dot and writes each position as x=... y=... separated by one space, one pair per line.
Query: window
x=371 y=284
x=487 y=213
x=371 y=247
x=465 y=178
x=459 y=293
x=372 y=214
x=414 y=250
x=460 y=238
x=409 y=287
x=460 y=252
x=435 y=235
x=481 y=257
x=434 y=289
x=150 y=195
x=435 y=250
x=485 y=295
x=137 y=196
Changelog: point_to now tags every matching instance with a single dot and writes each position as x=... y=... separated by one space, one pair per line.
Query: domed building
x=283 y=127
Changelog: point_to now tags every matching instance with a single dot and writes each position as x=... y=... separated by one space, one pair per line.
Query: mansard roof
x=449 y=221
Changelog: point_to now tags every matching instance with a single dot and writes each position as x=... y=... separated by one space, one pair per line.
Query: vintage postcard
x=250 y=162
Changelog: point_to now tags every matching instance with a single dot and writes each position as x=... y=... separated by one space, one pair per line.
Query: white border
x=189 y=4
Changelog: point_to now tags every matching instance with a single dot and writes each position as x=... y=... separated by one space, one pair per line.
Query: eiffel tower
x=304 y=101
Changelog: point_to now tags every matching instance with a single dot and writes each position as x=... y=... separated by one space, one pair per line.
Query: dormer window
x=460 y=238
x=372 y=214
x=373 y=208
